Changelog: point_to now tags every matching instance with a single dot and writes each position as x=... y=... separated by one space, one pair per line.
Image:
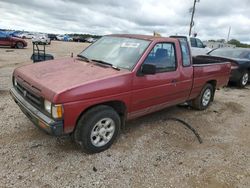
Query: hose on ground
x=188 y=126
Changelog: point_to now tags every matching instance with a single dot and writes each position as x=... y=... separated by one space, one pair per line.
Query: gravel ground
x=150 y=152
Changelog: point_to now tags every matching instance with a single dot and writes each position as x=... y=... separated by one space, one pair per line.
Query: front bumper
x=51 y=126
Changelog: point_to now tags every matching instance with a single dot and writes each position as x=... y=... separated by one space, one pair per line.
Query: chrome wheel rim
x=102 y=132
x=245 y=79
x=206 y=97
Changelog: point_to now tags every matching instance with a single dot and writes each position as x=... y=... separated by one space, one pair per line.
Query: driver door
x=157 y=91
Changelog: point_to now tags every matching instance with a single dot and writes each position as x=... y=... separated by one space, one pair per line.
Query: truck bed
x=212 y=69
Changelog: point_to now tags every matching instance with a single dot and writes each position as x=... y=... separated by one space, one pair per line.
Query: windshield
x=119 y=51
x=231 y=53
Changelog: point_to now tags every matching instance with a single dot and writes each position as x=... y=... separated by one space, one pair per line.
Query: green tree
x=238 y=43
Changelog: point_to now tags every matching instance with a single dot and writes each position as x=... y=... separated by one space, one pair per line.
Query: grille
x=34 y=99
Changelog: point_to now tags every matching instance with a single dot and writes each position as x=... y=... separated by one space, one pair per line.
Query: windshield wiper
x=105 y=63
x=84 y=57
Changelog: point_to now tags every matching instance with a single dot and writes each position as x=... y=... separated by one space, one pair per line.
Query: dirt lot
x=150 y=152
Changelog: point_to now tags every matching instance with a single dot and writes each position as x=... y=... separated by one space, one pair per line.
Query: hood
x=58 y=76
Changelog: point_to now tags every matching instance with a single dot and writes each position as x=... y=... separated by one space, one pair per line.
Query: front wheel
x=244 y=79
x=19 y=45
x=204 y=99
x=97 y=129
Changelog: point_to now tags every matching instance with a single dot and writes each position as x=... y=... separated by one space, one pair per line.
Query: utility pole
x=228 y=33
x=192 y=17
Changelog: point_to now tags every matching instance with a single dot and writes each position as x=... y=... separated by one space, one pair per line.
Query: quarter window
x=185 y=52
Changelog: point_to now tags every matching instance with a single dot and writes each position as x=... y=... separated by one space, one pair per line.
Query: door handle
x=174 y=82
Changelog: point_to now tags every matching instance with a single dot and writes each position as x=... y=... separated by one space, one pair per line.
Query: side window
x=193 y=42
x=185 y=53
x=163 y=57
x=199 y=43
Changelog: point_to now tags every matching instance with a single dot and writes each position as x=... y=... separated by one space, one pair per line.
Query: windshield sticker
x=130 y=45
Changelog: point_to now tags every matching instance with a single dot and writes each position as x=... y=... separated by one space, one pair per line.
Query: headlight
x=56 y=111
x=47 y=106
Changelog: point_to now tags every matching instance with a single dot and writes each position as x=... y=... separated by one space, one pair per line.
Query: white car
x=90 y=40
x=60 y=37
x=26 y=35
x=196 y=45
x=41 y=39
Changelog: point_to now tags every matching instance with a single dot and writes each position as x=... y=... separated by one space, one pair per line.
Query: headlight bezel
x=15 y=81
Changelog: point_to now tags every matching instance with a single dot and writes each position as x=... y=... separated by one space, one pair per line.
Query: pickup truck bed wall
x=206 y=59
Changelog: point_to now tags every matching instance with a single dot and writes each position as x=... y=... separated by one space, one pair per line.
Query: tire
x=19 y=45
x=90 y=133
x=244 y=79
x=204 y=99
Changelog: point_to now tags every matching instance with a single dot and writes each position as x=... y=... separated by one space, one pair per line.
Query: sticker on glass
x=130 y=45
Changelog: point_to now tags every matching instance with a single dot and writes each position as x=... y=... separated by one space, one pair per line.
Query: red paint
x=79 y=85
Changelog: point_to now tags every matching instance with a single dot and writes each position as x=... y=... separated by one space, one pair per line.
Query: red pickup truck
x=117 y=78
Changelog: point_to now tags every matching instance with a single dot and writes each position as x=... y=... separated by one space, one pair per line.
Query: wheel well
x=18 y=42
x=213 y=83
x=118 y=106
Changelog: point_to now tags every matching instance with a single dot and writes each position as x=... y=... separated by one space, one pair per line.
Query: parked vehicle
x=117 y=78
x=52 y=36
x=197 y=46
x=64 y=38
x=26 y=35
x=13 y=42
x=60 y=37
x=79 y=39
x=240 y=57
x=91 y=40
x=41 y=39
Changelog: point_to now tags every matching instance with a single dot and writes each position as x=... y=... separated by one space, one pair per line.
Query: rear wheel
x=204 y=99
x=244 y=79
x=97 y=129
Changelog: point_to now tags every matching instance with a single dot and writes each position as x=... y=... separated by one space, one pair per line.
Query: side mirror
x=148 y=69
x=204 y=45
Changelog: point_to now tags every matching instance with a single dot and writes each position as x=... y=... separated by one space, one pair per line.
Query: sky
x=212 y=17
